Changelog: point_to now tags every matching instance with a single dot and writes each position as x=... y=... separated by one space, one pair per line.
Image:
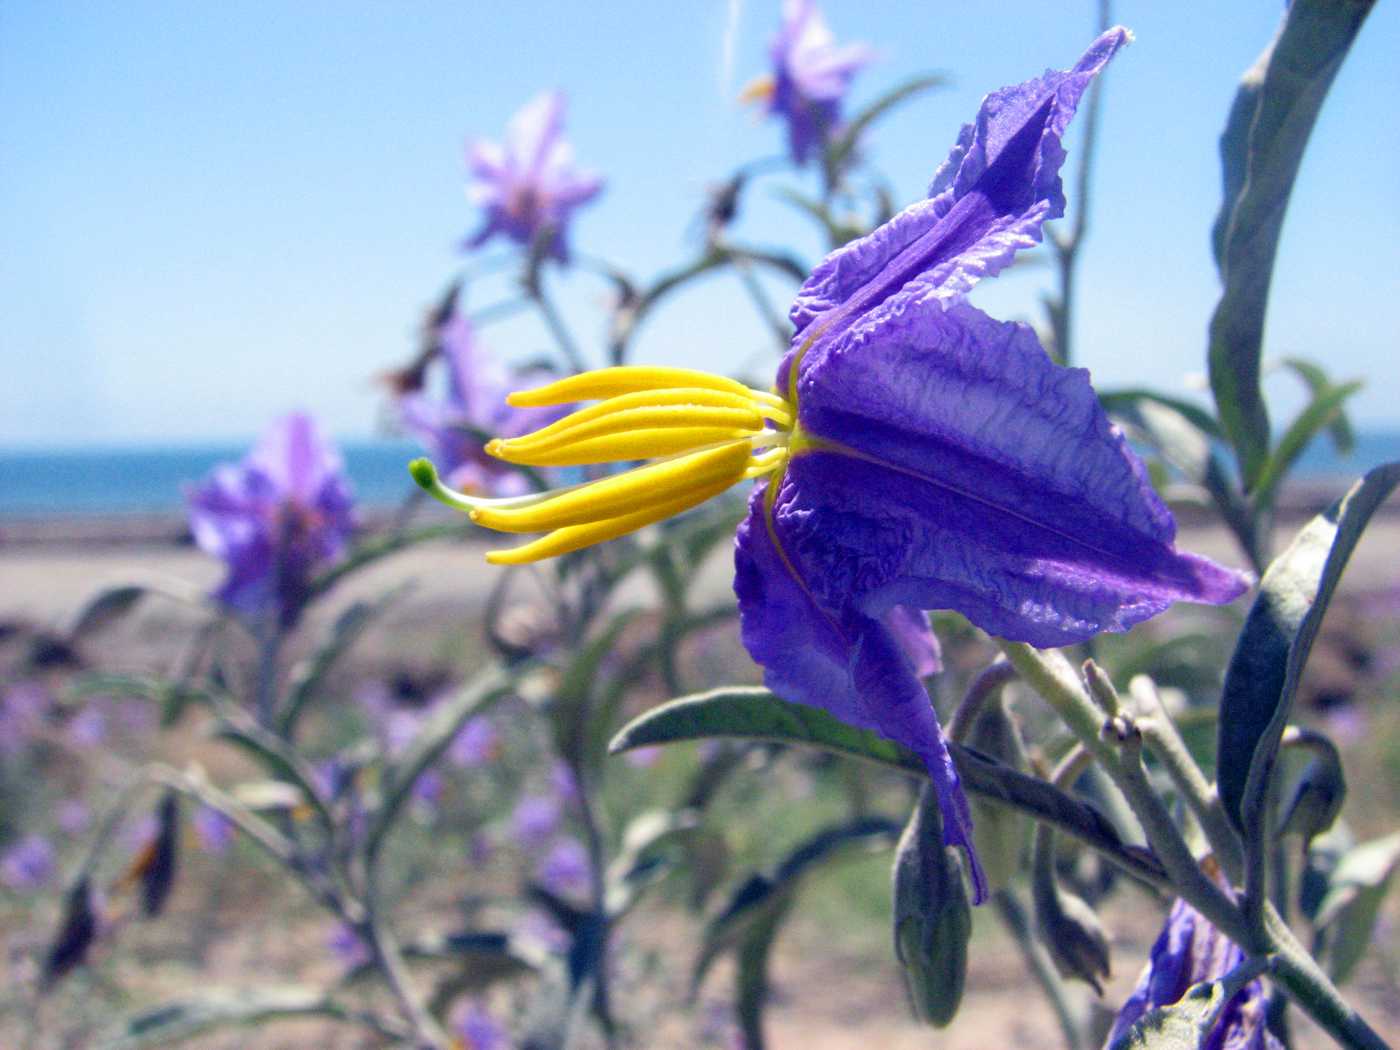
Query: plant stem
x=1013 y=915
x=554 y=321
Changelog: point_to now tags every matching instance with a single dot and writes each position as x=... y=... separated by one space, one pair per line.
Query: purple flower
x=811 y=75
x=565 y=868
x=29 y=864
x=345 y=944
x=563 y=781
x=23 y=707
x=919 y=455
x=72 y=816
x=476 y=1029
x=474 y=403
x=428 y=789
x=535 y=820
x=1188 y=951
x=475 y=744
x=88 y=728
x=528 y=185
x=213 y=830
x=275 y=518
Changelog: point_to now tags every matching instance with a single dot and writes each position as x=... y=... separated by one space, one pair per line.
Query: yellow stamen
x=624 y=379
x=638 y=444
x=656 y=483
x=759 y=89
x=642 y=399
x=659 y=417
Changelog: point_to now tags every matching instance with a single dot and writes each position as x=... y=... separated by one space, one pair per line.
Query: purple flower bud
x=477 y=1029
x=477 y=743
x=535 y=820
x=213 y=830
x=565 y=868
x=528 y=185
x=275 y=518
x=29 y=864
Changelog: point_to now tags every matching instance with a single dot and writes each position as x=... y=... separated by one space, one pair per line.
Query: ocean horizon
x=85 y=482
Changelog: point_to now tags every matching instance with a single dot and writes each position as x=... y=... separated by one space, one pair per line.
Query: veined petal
x=989 y=200
x=846 y=663
x=951 y=464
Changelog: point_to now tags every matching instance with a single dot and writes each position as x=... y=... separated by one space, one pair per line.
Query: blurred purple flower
x=481 y=847
x=528 y=185
x=451 y=427
x=476 y=743
x=538 y=928
x=275 y=518
x=29 y=864
x=23 y=707
x=642 y=757
x=565 y=868
x=811 y=75
x=72 y=816
x=1188 y=951
x=563 y=781
x=213 y=830
x=535 y=820
x=428 y=790
x=399 y=728
x=88 y=728
x=476 y=1029
x=345 y=944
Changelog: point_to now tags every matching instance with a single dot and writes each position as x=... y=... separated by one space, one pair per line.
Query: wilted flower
x=811 y=75
x=528 y=185
x=275 y=518
x=476 y=743
x=29 y=864
x=919 y=455
x=565 y=867
x=476 y=1029
x=535 y=820
x=1190 y=950
x=213 y=830
x=451 y=426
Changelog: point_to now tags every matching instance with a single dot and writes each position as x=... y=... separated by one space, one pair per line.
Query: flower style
x=275 y=518
x=918 y=455
x=811 y=74
x=528 y=185
x=1190 y=950
x=450 y=427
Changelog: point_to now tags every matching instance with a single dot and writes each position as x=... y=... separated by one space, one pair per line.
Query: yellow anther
x=624 y=379
x=650 y=417
x=691 y=395
x=621 y=494
x=576 y=537
x=634 y=444
x=759 y=89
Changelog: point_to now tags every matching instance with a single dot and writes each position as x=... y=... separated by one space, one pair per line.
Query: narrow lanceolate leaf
x=1186 y=1023
x=1317 y=380
x=843 y=146
x=183 y=1019
x=1273 y=648
x=1323 y=411
x=756 y=714
x=105 y=609
x=1355 y=890
x=1261 y=149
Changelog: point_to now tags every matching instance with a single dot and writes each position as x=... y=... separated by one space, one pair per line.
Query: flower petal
x=956 y=466
x=846 y=663
x=988 y=200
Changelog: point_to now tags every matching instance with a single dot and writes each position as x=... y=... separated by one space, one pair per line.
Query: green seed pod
x=998 y=832
x=932 y=916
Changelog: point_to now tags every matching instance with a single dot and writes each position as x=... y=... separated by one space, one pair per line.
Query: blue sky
x=215 y=213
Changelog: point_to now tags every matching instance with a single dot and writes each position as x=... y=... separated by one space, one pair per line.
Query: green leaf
x=308 y=675
x=1317 y=380
x=756 y=714
x=183 y=1019
x=751 y=974
x=1185 y=1024
x=843 y=145
x=642 y=860
x=276 y=756
x=1127 y=401
x=1355 y=890
x=105 y=609
x=1278 y=634
x=571 y=707
x=1323 y=411
x=1261 y=150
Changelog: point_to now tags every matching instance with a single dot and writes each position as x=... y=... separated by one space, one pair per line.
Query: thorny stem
x=1013 y=915
x=1050 y=674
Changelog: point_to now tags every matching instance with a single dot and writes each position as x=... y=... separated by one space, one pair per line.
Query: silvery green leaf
x=1323 y=411
x=105 y=609
x=1261 y=150
x=182 y=1019
x=1317 y=380
x=1273 y=648
x=1355 y=890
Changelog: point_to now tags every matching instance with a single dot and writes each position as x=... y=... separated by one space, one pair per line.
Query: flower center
x=702 y=432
